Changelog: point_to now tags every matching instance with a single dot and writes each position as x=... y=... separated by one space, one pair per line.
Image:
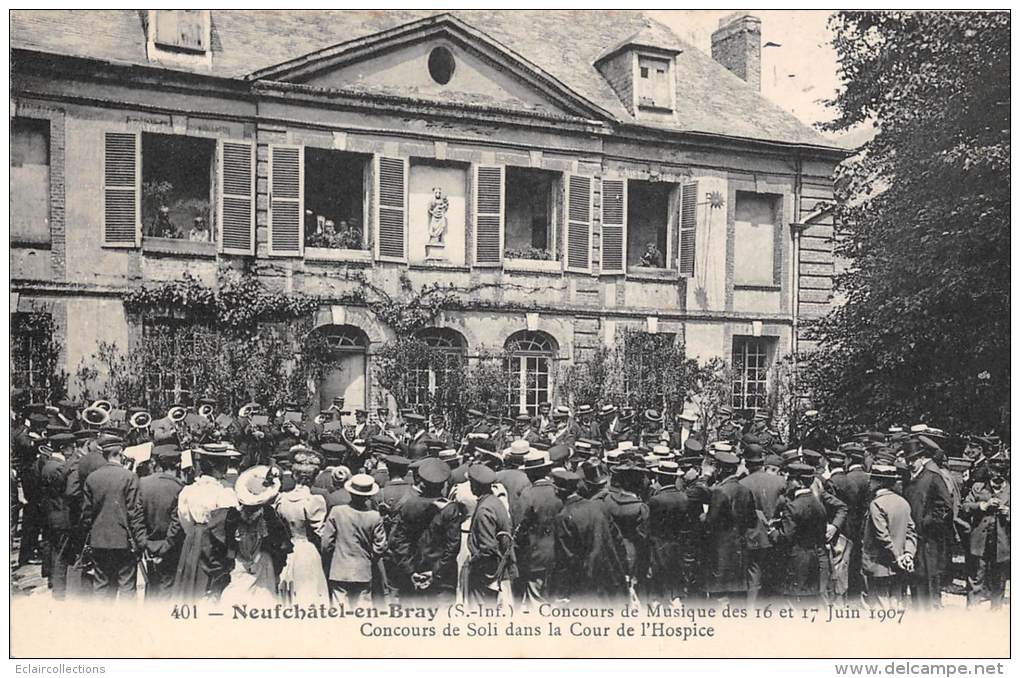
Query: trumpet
x=104 y=405
x=95 y=417
x=248 y=410
x=176 y=414
x=206 y=411
x=140 y=420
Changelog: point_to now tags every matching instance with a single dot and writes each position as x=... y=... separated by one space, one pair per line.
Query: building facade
x=577 y=174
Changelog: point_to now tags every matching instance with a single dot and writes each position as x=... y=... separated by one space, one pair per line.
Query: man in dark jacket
x=931 y=509
x=511 y=477
x=800 y=539
x=851 y=487
x=987 y=507
x=730 y=516
x=490 y=567
x=56 y=513
x=112 y=513
x=425 y=538
x=537 y=508
x=159 y=492
x=670 y=530
x=630 y=515
x=589 y=557
x=767 y=489
x=26 y=443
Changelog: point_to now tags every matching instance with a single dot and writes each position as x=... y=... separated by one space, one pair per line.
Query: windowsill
x=432 y=265
x=175 y=247
x=756 y=287
x=338 y=255
x=651 y=273
x=652 y=108
x=533 y=265
x=31 y=245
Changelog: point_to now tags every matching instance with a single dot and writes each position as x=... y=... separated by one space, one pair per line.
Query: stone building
x=583 y=173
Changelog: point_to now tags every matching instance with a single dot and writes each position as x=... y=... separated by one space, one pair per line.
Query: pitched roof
x=565 y=44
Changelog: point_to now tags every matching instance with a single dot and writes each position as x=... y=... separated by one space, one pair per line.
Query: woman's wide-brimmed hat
x=257 y=486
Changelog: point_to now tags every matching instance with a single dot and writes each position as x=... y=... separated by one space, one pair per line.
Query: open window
x=177 y=187
x=530 y=214
x=335 y=205
x=650 y=212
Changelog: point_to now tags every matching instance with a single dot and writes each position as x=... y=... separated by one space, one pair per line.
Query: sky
x=797 y=74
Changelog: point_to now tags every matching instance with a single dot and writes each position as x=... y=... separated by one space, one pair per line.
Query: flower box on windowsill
x=178 y=247
x=341 y=255
x=533 y=265
x=651 y=273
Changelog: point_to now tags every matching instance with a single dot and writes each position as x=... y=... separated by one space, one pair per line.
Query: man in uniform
x=987 y=507
x=414 y=446
x=159 y=492
x=800 y=539
x=668 y=529
x=53 y=481
x=26 y=457
x=490 y=566
x=589 y=559
x=630 y=515
x=767 y=489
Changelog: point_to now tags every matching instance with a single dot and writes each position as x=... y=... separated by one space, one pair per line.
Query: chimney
x=736 y=44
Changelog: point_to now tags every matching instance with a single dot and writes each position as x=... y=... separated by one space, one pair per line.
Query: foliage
x=782 y=397
x=417 y=310
x=236 y=306
x=923 y=210
x=35 y=356
x=596 y=380
x=529 y=252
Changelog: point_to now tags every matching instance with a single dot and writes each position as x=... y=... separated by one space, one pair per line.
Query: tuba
x=95 y=417
x=104 y=405
x=206 y=411
x=140 y=420
x=176 y=414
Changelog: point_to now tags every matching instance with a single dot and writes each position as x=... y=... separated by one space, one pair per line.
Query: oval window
x=441 y=65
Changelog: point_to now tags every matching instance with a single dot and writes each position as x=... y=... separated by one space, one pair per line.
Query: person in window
x=652 y=257
x=199 y=230
x=162 y=227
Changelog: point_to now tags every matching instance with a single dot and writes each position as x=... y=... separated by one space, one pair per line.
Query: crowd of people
x=595 y=502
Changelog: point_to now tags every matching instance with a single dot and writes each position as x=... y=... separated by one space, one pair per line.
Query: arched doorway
x=346 y=374
x=530 y=370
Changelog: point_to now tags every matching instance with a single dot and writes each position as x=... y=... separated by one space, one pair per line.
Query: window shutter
x=237 y=190
x=490 y=185
x=391 y=208
x=579 y=208
x=122 y=222
x=614 y=226
x=688 y=229
x=286 y=200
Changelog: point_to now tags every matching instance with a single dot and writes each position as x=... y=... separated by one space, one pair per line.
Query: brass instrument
x=248 y=410
x=104 y=405
x=140 y=420
x=95 y=417
x=176 y=414
x=320 y=419
x=206 y=411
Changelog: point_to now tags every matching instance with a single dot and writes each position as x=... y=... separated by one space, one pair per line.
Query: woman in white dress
x=302 y=580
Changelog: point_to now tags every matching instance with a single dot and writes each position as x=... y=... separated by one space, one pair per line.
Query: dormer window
x=179 y=36
x=654 y=86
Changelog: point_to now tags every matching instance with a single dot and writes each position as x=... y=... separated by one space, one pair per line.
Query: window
x=530 y=370
x=177 y=187
x=655 y=86
x=530 y=232
x=30 y=180
x=750 y=373
x=441 y=65
x=173 y=372
x=648 y=227
x=755 y=239
x=186 y=30
x=335 y=199
x=33 y=353
x=447 y=350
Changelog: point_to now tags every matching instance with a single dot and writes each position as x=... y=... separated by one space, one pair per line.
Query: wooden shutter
x=236 y=208
x=286 y=200
x=688 y=229
x=490 y=185
x=122 y=222
x=614 y=226
x=579 y=208
x=391 y=208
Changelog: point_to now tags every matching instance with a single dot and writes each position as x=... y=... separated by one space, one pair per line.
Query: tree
x=923 y=213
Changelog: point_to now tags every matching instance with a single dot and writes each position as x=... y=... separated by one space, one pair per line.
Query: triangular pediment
x=438 y=59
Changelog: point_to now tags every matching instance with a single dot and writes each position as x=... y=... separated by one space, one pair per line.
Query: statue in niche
x=438 y=207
